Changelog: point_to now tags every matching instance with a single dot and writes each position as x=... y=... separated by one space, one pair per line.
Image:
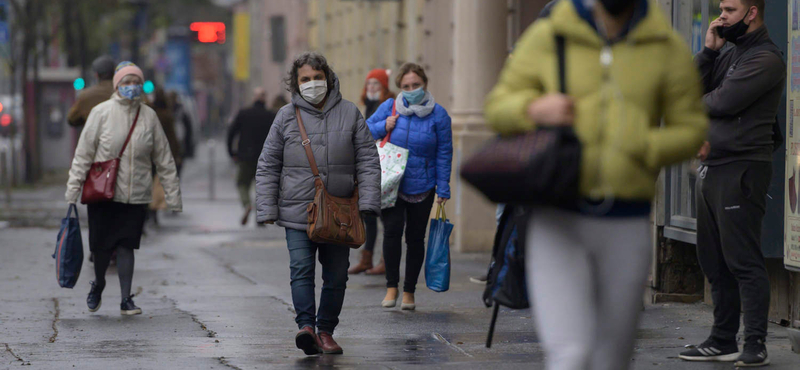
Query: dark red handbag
x=102 y=177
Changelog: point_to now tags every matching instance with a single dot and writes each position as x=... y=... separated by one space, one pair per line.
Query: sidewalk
x=216 y=295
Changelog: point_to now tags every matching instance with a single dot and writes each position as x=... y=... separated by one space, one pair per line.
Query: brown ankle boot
x=363 y=265
x=328 y=345
x=308 y=341
x=380 y=269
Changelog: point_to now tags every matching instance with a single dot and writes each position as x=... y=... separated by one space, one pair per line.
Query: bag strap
x=389 y=135
x=71 y=207
x=130 y=133
x=441 y=214
x=562 y=69
x=306 y=143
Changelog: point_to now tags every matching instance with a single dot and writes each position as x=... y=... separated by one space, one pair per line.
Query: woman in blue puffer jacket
x=423 y=127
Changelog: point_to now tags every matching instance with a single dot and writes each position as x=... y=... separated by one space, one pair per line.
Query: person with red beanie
x=376 y=91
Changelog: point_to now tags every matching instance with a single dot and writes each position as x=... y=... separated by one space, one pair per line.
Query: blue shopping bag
x=69 y=250
x=437 y=261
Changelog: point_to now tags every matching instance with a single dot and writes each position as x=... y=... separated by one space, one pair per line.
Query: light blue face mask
x=130 y=92
x=414 y=97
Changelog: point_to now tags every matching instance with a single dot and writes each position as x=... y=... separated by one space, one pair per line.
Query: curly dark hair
x=317 y=62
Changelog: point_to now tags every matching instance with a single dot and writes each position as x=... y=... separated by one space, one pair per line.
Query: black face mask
x=617 y=7
x=734 y=32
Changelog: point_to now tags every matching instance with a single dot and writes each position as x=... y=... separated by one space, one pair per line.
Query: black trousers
x=414 y=217
x=371 y=225
x=731 y=202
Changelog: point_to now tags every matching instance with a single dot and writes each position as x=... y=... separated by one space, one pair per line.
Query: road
x=216 y=295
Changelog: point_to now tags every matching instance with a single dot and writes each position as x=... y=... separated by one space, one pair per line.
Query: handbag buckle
x=306 y=142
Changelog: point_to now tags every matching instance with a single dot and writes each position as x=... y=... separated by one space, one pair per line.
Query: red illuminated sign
x=5 y=120
x=209 y=32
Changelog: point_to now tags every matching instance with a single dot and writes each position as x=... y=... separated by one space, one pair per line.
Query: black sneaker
x=94 y=300
x=711 y=350
x=753 y=355
x=128 y=308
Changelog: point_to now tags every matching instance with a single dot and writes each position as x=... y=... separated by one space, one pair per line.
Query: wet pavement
x=216 y=295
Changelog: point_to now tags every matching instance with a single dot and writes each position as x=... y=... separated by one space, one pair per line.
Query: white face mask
x=314 y=91
x=374 y=96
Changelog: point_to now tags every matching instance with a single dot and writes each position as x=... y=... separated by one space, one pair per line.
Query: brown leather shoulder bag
x=331 y=220
x=101 y=180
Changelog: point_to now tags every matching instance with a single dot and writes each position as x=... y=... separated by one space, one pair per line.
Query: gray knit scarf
x=419 y=109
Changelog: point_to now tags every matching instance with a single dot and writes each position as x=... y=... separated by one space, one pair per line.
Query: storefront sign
x=791 y=240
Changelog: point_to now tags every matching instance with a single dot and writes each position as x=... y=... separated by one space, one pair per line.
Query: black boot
x=94 y=300
x=128 y=307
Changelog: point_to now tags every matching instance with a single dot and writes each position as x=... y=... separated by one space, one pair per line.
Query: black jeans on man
x=414 y=217
x=731 y=203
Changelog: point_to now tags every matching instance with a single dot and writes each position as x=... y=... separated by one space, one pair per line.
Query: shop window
x=691 y=19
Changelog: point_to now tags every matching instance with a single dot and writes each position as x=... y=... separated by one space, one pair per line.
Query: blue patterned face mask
x=414 y=96
x=130 y=92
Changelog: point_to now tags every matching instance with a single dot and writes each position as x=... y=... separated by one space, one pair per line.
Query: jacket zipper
x=130 y=183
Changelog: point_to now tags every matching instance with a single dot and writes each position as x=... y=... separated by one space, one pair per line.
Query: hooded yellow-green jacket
x=618 y=107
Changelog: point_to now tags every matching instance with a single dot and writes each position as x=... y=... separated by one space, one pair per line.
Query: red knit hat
x=381 y=75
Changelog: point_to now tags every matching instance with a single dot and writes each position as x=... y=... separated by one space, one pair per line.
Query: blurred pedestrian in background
x=103 y=68
x=345 y=154
x=251 y=125
x=184 y=121
x=164 y=111
x=376 y=91
x=117 y=225
x=423 y=127
x=625 y=69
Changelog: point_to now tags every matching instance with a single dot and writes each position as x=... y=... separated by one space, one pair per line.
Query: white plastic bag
x=393 y=166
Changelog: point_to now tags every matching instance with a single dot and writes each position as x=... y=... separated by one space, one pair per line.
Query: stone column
x=479 y=50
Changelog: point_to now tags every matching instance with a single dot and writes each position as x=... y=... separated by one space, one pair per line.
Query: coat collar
x=573 y=20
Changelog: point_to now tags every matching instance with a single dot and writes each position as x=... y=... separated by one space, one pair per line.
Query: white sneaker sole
x=137 y=311
x=98 y=306
x=722 y=358
x=742 y=364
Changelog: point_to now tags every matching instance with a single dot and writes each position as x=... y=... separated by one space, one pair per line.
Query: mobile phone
x=719 y=32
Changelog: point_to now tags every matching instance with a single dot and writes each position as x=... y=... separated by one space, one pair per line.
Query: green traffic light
x=149 y=87
x=79 y=84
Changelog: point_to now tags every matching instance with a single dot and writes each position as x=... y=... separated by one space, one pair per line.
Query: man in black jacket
x=743 y=83
x=252 y=126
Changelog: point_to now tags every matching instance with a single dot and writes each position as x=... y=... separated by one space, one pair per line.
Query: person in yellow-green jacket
x=633 y=97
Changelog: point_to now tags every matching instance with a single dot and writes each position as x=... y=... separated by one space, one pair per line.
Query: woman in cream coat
x=117 y=225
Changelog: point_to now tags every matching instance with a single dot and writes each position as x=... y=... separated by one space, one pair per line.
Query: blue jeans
x=335 y=261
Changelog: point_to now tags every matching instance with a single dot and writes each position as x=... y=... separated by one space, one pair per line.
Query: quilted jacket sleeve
x=84 y=156
x=519 y=84
x=685 y=119
x=165 y=166
x=444 y=153
x=368 y=168
x=268 y=172
x=377 y=122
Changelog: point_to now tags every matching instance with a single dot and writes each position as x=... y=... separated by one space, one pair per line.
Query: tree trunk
x=67 y=12
x=83 y=57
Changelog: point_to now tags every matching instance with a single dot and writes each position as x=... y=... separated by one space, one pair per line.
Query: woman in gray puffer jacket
x=345 y=152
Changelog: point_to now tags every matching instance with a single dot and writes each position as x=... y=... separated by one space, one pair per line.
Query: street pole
x=5 y=178
x=211 y=149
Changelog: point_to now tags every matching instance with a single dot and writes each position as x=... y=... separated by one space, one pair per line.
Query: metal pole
x=211 y=190
x=5 y=178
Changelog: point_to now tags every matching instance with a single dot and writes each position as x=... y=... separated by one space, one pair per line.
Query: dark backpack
x=505 y=284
